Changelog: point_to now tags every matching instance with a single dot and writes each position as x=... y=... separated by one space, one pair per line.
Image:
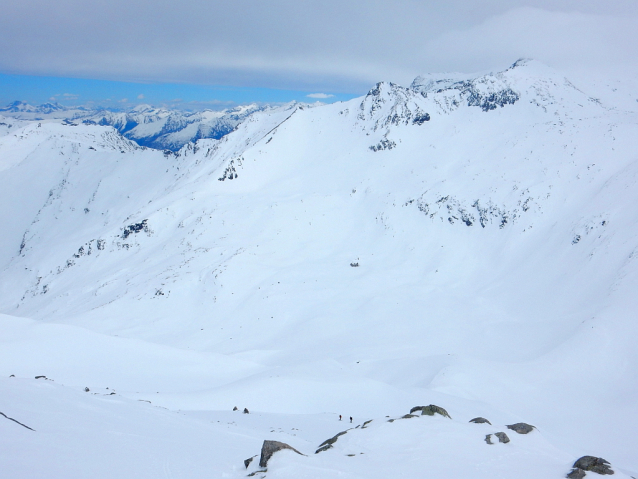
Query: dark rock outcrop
x=384 y=144
x=327 y=444
x=502 y=437
x=135 y=228
x=480 y=420
x=576 y=473
x=430 y=410
x=408 y=416
x=268 y=448
x=521 y=428
x=248 y=461
x=419 y=119
x=593 y=464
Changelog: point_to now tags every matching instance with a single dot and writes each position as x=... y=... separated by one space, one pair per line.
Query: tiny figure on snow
x=339 y=417
x=246 y=410
x=235 y=408
x=86 y=390
x=350 y=418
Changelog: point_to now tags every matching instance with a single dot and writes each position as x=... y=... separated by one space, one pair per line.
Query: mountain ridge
x=158 y=128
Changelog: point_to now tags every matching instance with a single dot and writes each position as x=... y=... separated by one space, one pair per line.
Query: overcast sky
x=327 y=46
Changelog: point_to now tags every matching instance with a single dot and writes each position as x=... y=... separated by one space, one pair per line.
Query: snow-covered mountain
x=158 y=128
x=165 y=129
x=24 y=111
x=466 y=242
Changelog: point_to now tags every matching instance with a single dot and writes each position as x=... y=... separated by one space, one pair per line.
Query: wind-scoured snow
x=468 y=242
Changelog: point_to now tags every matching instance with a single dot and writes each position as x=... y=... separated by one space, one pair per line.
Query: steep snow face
x=469 y=244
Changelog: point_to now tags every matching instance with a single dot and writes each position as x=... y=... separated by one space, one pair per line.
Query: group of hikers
x=247 y=412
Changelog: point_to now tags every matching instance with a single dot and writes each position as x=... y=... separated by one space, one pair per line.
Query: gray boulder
x=268 y=448
x=502 y=437
x=480 y=420
x=521 y=428
x=430 y=410
x=593 y=464
x=576 y=473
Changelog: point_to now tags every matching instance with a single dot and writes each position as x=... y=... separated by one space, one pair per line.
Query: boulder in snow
x=480 y=420
x=268 y=448
x=521 y=428
x=593 y=464
x=430 y=410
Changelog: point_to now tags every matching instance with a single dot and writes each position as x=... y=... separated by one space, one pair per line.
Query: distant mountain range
x=158 y=128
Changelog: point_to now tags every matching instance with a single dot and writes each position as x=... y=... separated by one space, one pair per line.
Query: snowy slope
x=7 y=125
x=491 y=218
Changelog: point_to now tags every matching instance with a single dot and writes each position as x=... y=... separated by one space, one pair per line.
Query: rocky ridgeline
x=579 y=469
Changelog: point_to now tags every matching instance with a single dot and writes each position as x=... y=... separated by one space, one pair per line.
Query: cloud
x=332 y=45
x=320 y=95
x=140 y=96
x=123 y=100
x=64 y=97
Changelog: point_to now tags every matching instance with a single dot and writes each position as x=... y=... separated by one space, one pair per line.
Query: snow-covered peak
x=388 y=104
x=142 y=108
x=18 y=106
x=525 y=79
x=22 y=107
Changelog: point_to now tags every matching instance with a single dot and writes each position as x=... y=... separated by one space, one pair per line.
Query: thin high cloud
x=338 y=46
x=320 y=96
x=64 y=97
